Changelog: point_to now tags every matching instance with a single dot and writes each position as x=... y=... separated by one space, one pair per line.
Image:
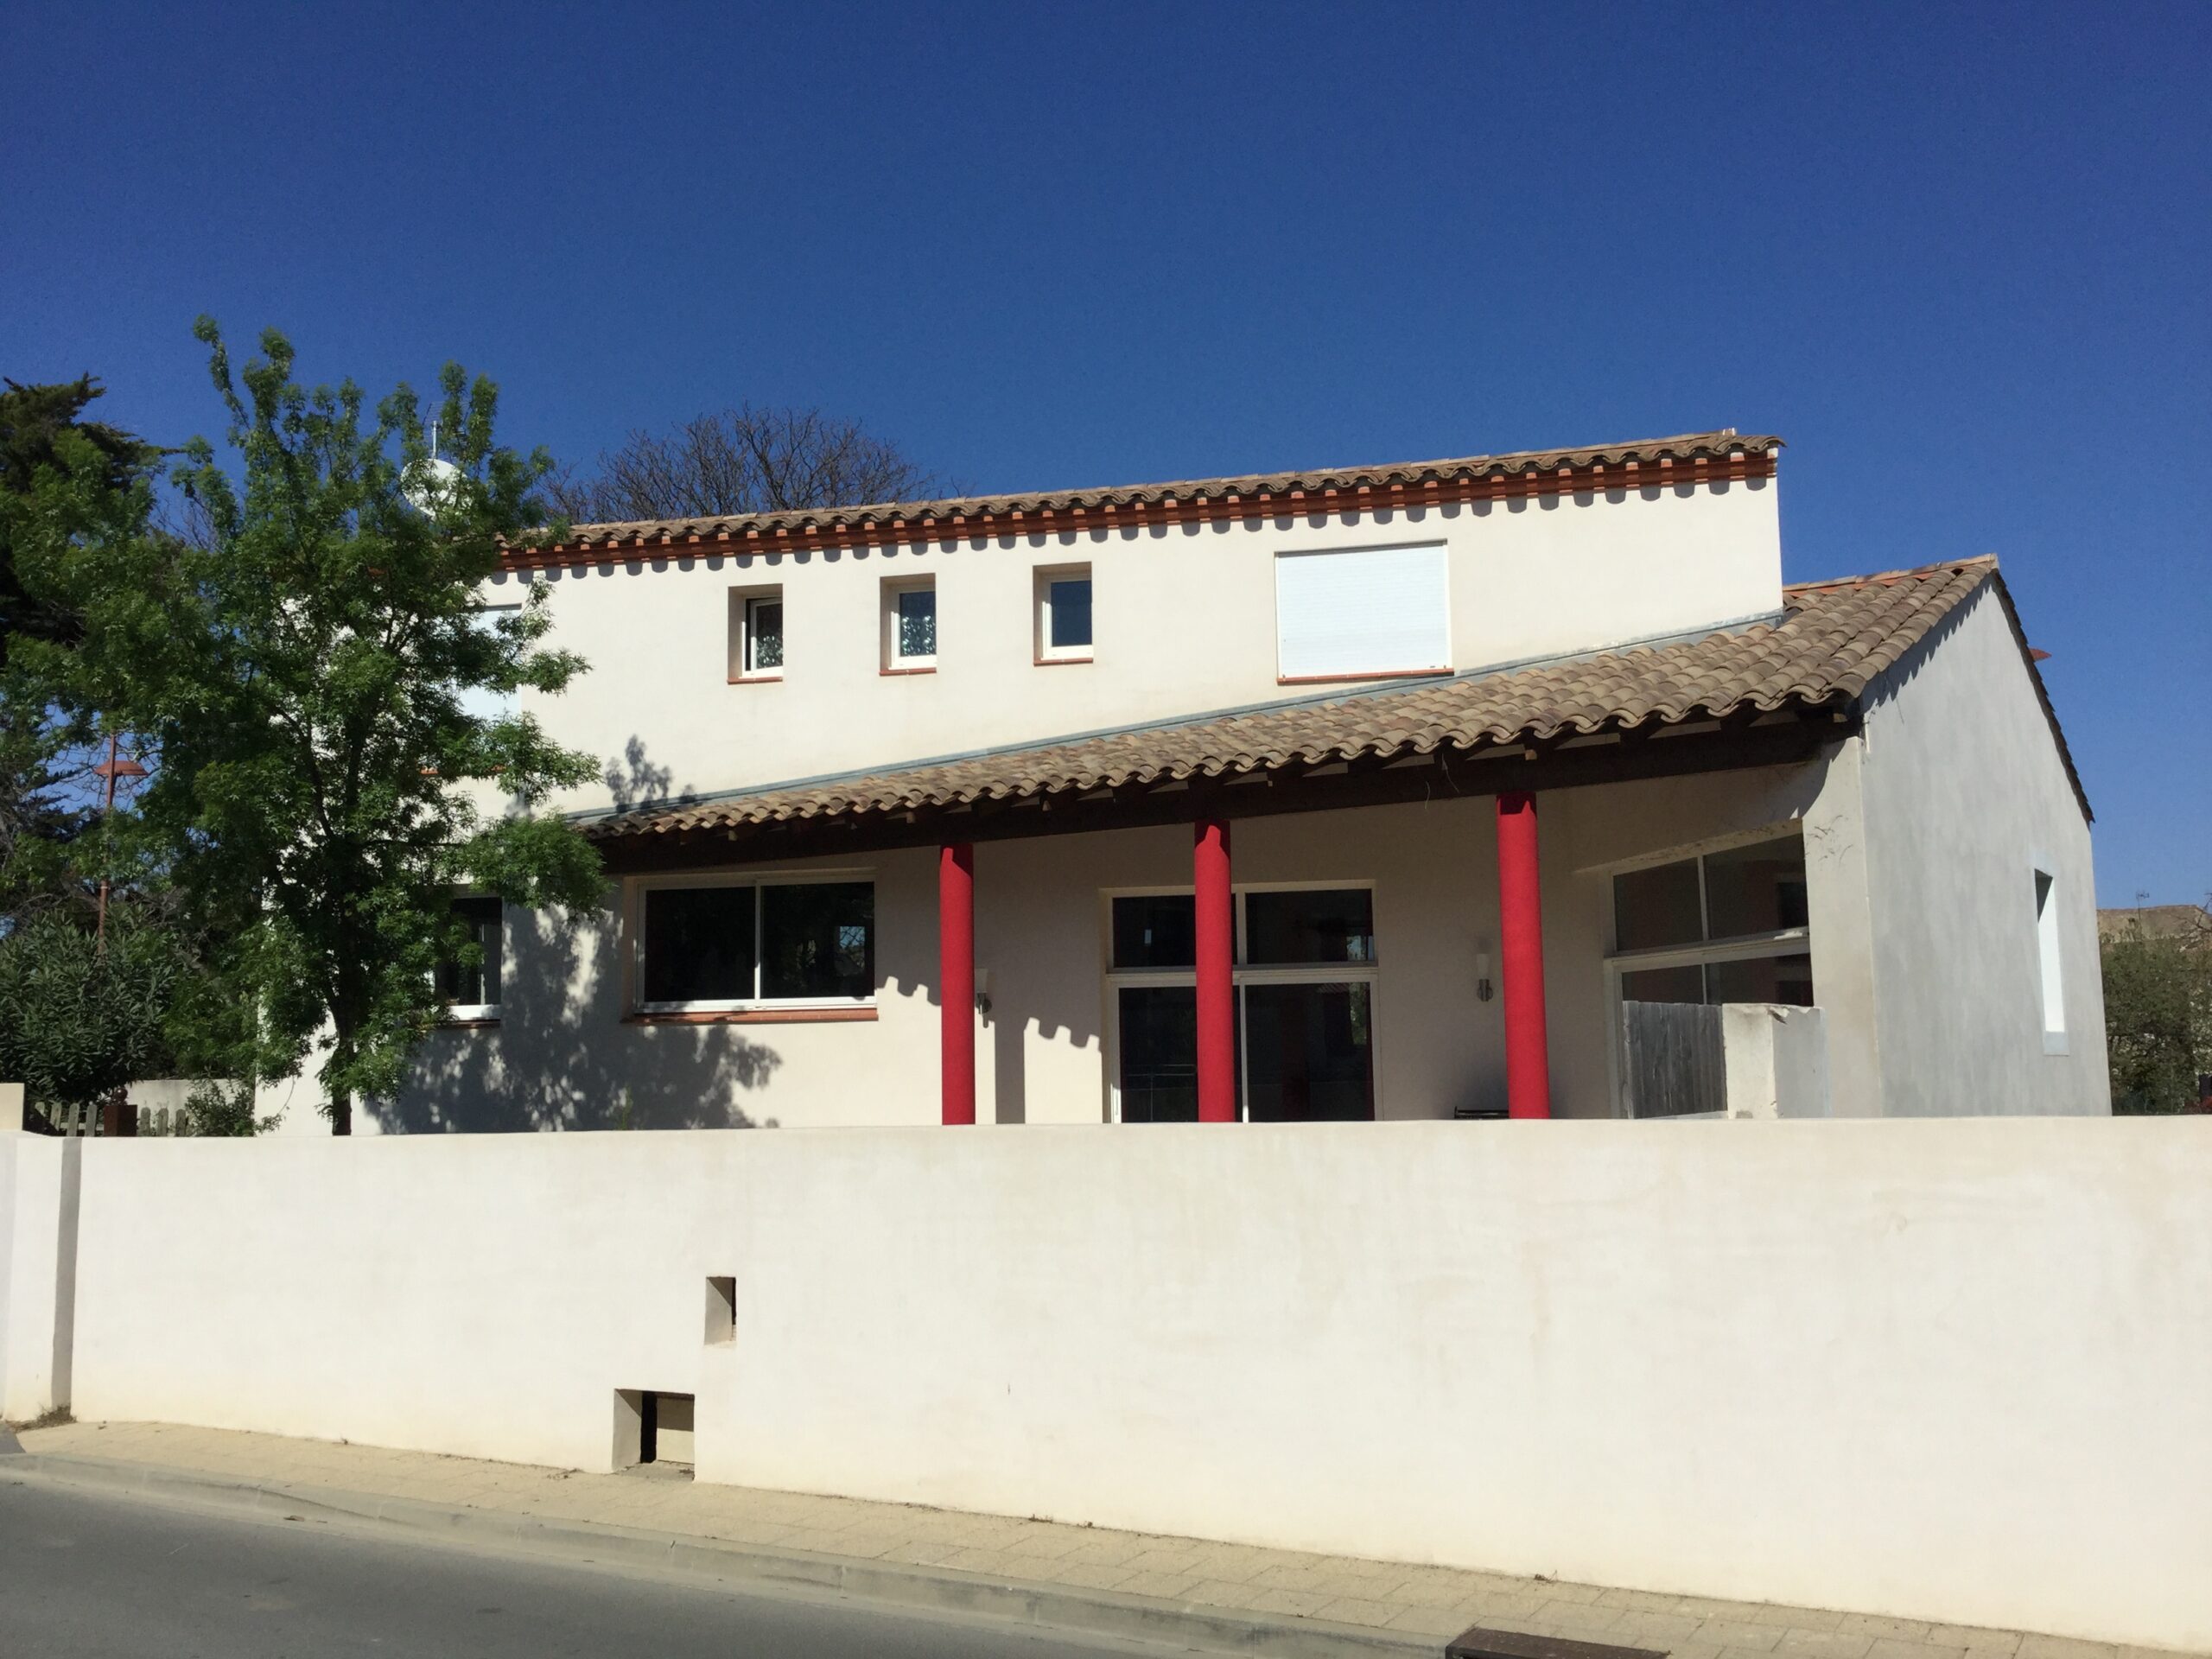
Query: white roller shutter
x=1378 y=611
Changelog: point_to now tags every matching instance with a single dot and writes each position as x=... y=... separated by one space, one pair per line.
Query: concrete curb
x=938 y=1589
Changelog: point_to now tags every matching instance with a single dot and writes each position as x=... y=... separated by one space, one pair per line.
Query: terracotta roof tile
x=1685 y=446
x=1830 y=642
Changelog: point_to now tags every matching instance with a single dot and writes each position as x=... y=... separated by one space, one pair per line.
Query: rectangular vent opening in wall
x=721 y=1310
x=653 y=1430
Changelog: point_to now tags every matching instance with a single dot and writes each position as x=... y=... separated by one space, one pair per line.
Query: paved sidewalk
x=1421 y=1605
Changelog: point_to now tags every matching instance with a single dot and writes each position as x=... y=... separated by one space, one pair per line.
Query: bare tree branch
x=743 y=461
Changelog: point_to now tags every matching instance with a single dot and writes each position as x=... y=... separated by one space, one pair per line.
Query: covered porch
x=1413 y=901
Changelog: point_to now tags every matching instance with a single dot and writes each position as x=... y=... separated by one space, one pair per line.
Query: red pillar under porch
x=955 y=972
x=1521 y=957
x=1216 y=948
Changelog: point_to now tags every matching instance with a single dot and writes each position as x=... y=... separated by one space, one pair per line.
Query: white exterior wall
x=1965 y=798
x=1184 y=623
x=562 y=1051
x=1947 y=1370
x=39 y=1176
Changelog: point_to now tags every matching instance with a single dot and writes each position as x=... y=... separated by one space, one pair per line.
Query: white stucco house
x=1402 y=791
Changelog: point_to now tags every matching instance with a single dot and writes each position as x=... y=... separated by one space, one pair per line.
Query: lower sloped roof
x=1829 y=643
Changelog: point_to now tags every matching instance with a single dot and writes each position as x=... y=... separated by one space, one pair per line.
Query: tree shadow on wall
x=563 y=1058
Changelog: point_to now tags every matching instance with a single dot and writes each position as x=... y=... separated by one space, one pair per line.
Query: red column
x=1520 y=954
x=956 y=973
x=1217 y=987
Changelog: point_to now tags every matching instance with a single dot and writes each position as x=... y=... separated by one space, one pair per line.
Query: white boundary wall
x=1953 y=1368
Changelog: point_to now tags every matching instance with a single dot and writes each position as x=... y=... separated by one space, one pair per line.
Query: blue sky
x=1957 y=256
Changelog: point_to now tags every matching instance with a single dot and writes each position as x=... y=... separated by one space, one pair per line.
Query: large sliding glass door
x=1305 y=977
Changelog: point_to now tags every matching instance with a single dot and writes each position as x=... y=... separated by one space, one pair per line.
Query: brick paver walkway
x=1420 y=1602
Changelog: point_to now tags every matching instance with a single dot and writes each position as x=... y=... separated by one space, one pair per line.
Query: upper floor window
x=1064 y=614
x=1376 y=611
x=910 y=623
x=732 y=945
x=469 y=985
x=756 y=633
x=480 y=701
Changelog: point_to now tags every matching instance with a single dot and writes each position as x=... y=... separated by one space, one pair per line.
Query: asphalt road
x=85 y=1574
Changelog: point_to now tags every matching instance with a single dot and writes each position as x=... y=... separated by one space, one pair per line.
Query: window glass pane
x=1159 y=1054
x=1755 y=889
x=1664 y=985
x=474 y=984
x=1308 y=1053
x=698 y=944
x=1156 y=930
x=763 y=634
x=1763 y=979
x=1656 y=906
x=1336 y=925
x=1071 y=607
x=818 y=940
x=916 y=635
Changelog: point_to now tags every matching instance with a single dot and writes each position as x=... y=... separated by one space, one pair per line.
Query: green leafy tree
x=299 y=674
x=44 y=806
x=2158 y=1016
x=82 y=1017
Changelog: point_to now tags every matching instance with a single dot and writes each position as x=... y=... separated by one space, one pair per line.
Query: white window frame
x=477 y=1013
x=634 y=925
x=2050 y=975
x=1740 y=947
x=742 y=602
x=1368 y=973
x=1045 y=651
x=893 y=662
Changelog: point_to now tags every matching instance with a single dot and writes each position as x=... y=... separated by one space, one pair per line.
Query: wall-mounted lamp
x=1483 y=992
x=983 y=992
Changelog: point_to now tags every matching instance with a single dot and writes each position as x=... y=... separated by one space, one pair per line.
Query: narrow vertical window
x=468 y=985
x=1064 y=614
x=2054 y=987
x=764 y=635
x=756 y=633
x=910 y=625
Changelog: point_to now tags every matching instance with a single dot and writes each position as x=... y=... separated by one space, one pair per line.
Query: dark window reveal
x=1070 y=603
x=1310 y=925
x=1657 y=907
x=1758 y=889
x=1155 y=930
x=817 y=940
x=698 y=944
x=474 y=984
x=917 y=623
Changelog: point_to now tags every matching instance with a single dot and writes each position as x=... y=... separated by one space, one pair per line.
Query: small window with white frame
x=1064 y=614
x=756 y=633
x=2049 y=976
x=467 y=984
x=718 y=945
x=909 y=625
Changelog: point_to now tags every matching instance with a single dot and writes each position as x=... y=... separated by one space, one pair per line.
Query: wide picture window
x=1726 y=927
x=761 y=944
x=1305 y=977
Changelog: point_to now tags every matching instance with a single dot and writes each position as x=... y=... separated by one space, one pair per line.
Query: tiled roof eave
x=1819 y=656
x=1688 y=457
